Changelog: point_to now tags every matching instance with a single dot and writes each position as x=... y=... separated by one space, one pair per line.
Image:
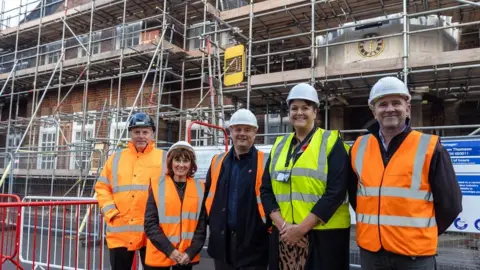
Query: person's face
x=301 y=114
x=141 y=136
x=243 y=136
x=391 y=111
x=181 y=166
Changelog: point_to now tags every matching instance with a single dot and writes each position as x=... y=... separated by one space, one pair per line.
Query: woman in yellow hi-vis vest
x=175 y=219
x=304 y=191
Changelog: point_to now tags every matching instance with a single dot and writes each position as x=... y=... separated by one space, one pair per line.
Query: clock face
x=372 y=47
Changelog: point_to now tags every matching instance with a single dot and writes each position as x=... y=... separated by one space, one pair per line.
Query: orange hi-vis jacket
x=215 y=168
x=394 y=203
x=178 y=219
x=122 y=192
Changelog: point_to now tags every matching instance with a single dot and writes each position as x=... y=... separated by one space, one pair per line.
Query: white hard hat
x=303 y=91
x=243 y=117
x=388 y=86
x=182 y=144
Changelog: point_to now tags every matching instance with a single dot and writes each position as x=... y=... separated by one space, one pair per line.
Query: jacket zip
x=380 y=194
x=378 y=212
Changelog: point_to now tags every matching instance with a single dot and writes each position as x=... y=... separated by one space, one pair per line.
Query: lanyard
x=298 y=148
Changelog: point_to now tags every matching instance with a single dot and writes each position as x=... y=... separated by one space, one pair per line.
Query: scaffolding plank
x=416 y=60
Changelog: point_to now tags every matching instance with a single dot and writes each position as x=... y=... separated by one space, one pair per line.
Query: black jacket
x=251 y=232
x=447 y=197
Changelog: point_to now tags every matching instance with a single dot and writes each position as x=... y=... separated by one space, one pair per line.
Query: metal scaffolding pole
x=160 y=85
x=120 y=72
x=182 y=83
x=10 y=165
x=249 y=67
x=475 y=4
x=312 y=48
x=406 y=22
x=83 y=135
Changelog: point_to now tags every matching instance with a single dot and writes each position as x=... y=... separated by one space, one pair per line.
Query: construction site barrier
x=10 y=232
x=53 y=233
x=50 y=234
x=189 y=129
x=69 y=233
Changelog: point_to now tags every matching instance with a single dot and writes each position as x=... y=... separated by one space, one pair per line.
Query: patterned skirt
x=292 y=257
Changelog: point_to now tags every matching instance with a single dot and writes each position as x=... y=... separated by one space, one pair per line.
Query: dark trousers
x=231 y=256
x=384 y=260
x=175 y=267
x=223 y=266
x=121 y=258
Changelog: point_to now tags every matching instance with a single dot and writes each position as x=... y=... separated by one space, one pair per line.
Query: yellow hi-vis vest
x=308 y=179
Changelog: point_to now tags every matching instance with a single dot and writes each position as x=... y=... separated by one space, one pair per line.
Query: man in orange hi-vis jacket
x=122 y=192
x=406 y=190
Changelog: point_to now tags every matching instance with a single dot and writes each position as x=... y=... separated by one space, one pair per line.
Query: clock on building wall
x=372 y=47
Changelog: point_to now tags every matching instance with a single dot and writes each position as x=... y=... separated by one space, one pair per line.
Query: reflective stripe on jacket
x=178 y=219
x=307 y=179
x=215 y=168
x=394 y=204
x=122 y=192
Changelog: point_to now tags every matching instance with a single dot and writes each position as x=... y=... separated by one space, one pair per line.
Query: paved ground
x=454 y=251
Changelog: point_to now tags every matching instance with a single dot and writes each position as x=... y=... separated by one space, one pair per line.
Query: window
x=200 y=135
x=116 y=128
x=194 y=33
x=276 y=126
x=47 y=144
x=132 y=35
x=13 y=140
x=95 y=46
x=53 y=51
x=81 y=157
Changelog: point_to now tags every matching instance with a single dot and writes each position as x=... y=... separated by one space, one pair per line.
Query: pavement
x=454 y=250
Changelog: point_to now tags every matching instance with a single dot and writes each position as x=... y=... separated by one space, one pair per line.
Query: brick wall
x=98 y=93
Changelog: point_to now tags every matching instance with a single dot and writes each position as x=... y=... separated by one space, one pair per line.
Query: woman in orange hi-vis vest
x=175 y=219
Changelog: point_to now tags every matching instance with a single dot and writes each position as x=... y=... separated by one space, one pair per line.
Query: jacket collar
x=243 y=156
x=375 y=128
x=150 y=146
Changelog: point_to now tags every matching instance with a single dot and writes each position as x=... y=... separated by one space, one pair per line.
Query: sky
x=11 y=4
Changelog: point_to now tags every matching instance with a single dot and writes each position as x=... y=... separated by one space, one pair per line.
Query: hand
x=185 y=259
x=176 y=256
x=291 y=234
x=302 y=243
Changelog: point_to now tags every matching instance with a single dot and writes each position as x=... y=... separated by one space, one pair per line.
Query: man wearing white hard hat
x=304 y=191
x=238 y=226
x=406 y=190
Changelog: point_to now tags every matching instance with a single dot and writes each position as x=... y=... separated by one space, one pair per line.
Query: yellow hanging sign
x=234 y=65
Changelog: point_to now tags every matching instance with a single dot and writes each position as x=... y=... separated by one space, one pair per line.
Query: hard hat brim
x=407 y=97
x=244 y=124
x=304 y=99
x=182 y=147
